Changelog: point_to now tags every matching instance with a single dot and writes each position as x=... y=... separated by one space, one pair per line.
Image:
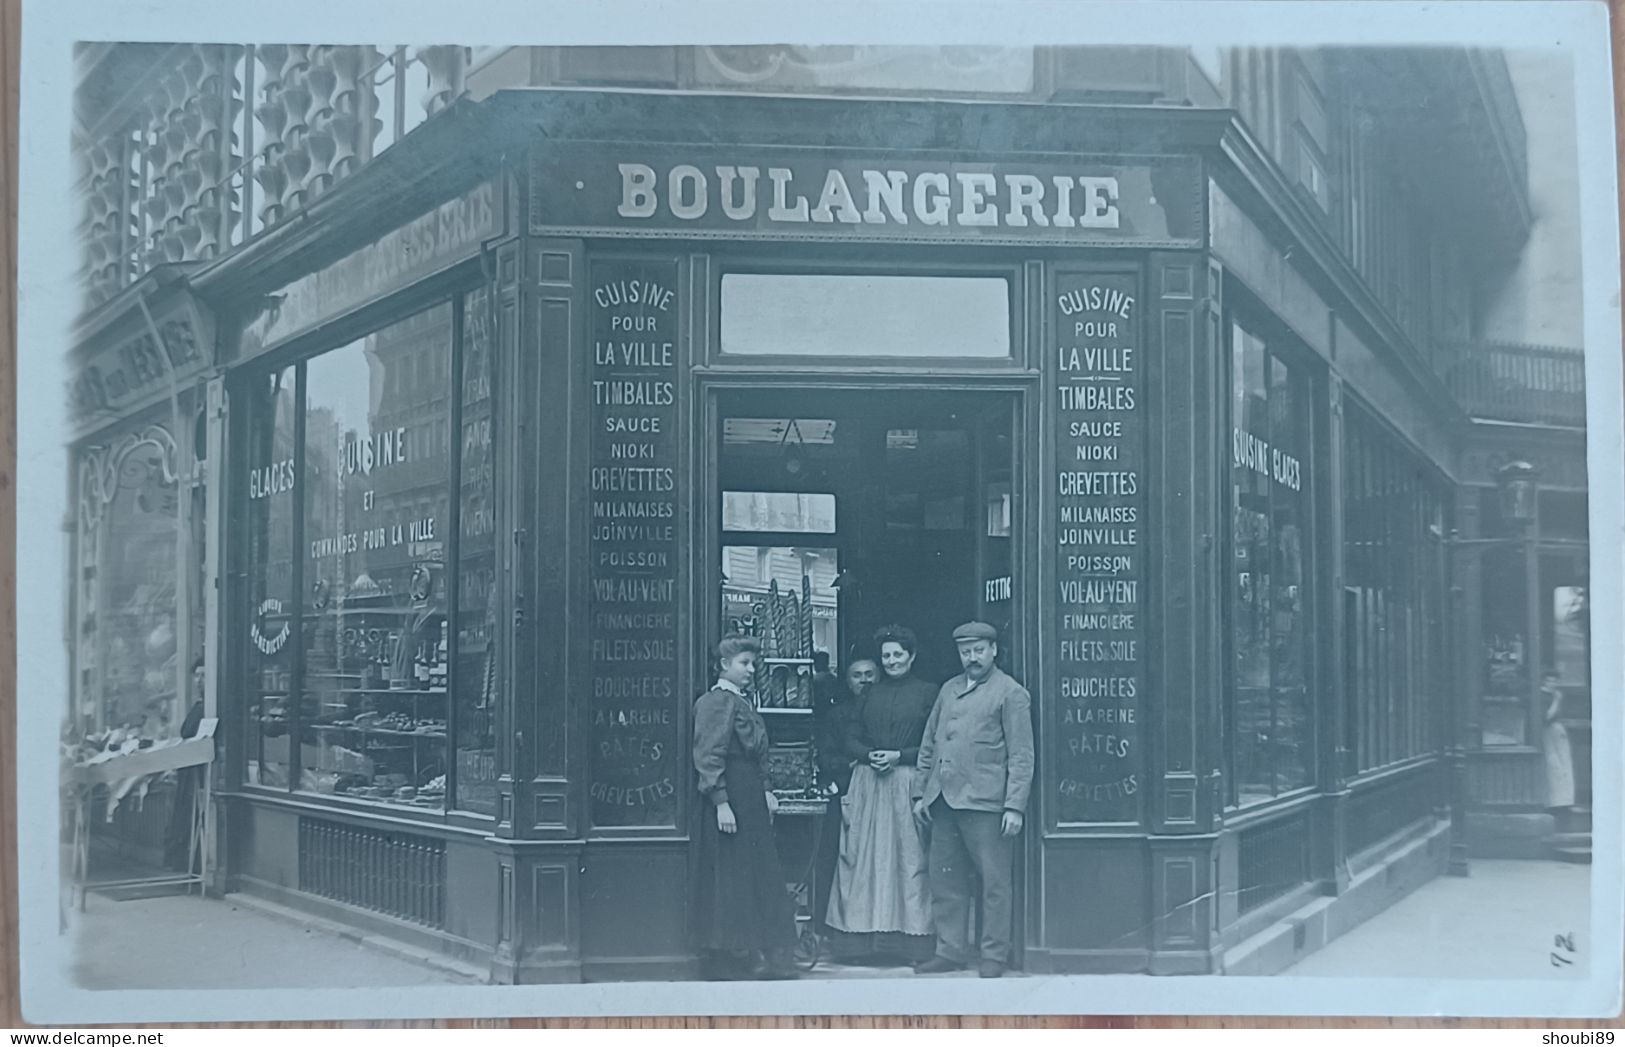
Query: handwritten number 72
x=1565 y=943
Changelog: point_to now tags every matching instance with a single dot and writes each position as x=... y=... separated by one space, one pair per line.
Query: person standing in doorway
x=742 y=915
x=832 y=716
x=881 y=903
x=975 y=772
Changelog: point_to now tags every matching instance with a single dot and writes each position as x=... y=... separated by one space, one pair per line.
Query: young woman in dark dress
x=743 y=920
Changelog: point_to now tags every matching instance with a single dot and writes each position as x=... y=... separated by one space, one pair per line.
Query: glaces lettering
x=266 y=480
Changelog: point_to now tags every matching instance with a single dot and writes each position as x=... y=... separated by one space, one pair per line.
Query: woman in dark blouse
x=881 y=901
x=833 y=714
x=743 y=920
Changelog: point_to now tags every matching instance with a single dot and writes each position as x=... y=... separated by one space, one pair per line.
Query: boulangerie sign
x=794 y=193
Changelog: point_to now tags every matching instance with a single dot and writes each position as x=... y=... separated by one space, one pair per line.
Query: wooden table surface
x=10 y=1013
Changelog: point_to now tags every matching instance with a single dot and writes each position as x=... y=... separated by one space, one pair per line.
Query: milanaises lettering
x=965 y=199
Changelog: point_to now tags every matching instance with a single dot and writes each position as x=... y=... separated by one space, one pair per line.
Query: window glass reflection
x=377 y=530
x=272 y=604
x=1270 y=721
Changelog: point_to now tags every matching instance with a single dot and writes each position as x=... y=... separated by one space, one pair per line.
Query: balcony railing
x=228 y=140
x=1529 y=384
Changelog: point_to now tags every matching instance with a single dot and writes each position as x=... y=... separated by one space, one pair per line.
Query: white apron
x=881 y=876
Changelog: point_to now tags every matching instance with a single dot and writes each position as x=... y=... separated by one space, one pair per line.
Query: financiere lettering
x=1094 y=622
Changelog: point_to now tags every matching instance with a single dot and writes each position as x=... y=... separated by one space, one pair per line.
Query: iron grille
x=396 y=874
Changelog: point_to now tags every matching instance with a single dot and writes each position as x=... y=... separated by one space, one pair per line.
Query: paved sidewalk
x=187 y=942
x=1498 y=922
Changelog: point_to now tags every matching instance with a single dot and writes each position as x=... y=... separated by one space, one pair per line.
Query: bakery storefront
x=676 y=367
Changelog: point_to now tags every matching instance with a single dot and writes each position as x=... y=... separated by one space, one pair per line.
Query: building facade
x=463 y=432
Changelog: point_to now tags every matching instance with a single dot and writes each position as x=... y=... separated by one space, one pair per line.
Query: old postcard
x=982 y=507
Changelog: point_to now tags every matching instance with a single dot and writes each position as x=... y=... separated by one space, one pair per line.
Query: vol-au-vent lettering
x=978 y=199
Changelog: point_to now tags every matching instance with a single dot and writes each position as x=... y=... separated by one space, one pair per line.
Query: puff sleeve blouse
x=726 y=728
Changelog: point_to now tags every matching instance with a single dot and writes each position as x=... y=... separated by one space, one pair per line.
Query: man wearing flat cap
x=973 y=775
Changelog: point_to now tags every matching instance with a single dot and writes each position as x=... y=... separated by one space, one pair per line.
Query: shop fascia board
x=154 y=286
x=445 y=156
x=472 y=140
x=1243 y=169
x=852 y=123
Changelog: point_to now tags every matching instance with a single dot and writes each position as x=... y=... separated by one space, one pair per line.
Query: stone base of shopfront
x=1509 y=834
x=1379 y=882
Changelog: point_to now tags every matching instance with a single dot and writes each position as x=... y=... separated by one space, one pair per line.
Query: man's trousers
x=967 y=844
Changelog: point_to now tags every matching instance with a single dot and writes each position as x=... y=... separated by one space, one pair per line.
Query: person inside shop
x=881 y=904
x=743 y=919
x=178 y=834
x=833 y=712
x=1559 y=756
x=975 y=772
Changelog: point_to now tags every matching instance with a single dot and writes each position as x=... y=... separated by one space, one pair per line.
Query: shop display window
x=372 y=567
x=375 y=629
x=130 y=650
x=1393 y=601
x=1270 y=710
x=475 y=677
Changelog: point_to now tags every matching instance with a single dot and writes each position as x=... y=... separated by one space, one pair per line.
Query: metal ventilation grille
x=384 y=872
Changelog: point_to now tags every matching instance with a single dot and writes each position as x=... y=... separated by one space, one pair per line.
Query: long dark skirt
x=741 y=901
